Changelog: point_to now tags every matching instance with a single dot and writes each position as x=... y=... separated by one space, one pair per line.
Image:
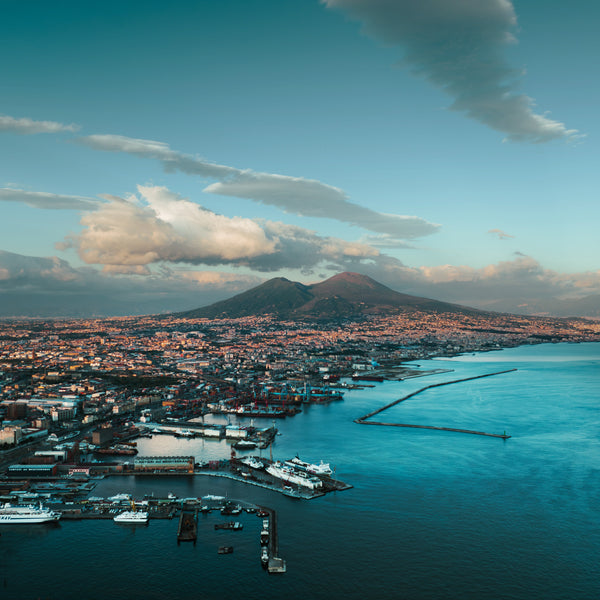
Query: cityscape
x=299 y=299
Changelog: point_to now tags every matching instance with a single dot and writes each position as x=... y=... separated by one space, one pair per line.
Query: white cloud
x=162 y=227
x=306 y=197
x=458 y=46
x=46 y=200
x=27 y=126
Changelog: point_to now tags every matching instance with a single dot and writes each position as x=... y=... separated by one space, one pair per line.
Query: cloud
x=458 y=46
x=502 y=235
x=509 y=286
x=50 y=286
x=46 y=200
x=126 y=235
x=306 y=197
x=27 y=126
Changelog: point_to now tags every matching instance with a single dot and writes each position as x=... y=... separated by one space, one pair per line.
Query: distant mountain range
x=345 y=294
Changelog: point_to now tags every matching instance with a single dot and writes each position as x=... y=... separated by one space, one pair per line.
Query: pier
x=364 y=419
x=275 y=564
x=187 y=531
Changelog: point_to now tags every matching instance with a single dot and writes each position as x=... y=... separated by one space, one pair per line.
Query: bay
x=432 y=514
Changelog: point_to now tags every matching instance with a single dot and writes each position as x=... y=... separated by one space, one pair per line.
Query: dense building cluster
x=64 y=375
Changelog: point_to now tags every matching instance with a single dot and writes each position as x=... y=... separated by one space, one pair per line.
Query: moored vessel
x=27 y=514
x=287 y=473
x=320 y=469
x=131 y=516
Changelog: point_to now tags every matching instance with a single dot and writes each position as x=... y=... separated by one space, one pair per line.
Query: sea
x=431 y=514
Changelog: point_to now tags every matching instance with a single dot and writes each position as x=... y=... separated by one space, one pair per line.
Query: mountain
x=345 y=294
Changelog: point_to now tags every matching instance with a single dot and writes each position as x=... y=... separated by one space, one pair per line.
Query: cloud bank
x=27 y=126
x=49 y=286
x=128 y=235
x=46 y=200
x=306 y=197
x=458 y=45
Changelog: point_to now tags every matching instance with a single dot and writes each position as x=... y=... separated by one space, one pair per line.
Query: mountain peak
x=344 y=294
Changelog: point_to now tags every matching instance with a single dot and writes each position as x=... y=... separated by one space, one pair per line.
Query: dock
x=364 y=420
x=275 y=564
x=187 y=531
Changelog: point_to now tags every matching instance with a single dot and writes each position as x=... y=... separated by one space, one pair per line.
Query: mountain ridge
x=343 y=295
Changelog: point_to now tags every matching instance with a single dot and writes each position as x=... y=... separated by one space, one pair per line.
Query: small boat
x=264 y=556
x=225 y=549
x=120 y=498
x=244 y=445
x=235 y=526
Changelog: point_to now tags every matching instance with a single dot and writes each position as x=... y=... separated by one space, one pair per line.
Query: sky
x=158 y=156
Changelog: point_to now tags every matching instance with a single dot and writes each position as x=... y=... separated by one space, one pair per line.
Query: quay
x=364 y=420
x=274 y=564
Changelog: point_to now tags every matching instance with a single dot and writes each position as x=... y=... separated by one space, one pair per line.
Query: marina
x=457 y=513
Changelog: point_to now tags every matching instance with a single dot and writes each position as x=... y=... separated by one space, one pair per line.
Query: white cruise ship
x=27 y=514
x=299 y=478
x=320 y=469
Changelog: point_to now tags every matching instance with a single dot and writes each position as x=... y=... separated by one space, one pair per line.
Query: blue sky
x=167 y=155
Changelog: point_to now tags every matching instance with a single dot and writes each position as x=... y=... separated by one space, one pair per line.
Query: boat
x=286 y=473
x=235 y=526
x=225 y=549
x=250 y=461
x=117 y=450
x=120 y=498
x=27 y=514
x=244 y=445
x=320 y=469
x=131 y=516
x=264 y=556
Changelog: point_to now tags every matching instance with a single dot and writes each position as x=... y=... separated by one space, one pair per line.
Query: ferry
x=289 y=474
x=131 y=516
x=27 y=514
x=320 y=469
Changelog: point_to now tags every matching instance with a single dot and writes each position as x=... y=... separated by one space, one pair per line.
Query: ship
x=320 y=469
x=131 y=516
x=27 y=514
x=244 y=445
x=252 y=462
x=289 y=474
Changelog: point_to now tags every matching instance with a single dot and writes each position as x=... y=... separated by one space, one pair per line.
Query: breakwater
x=364 y=420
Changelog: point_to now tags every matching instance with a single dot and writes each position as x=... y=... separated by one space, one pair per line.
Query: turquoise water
x=431 y=515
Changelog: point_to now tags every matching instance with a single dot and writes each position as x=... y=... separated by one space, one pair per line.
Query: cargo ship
x=27 y=514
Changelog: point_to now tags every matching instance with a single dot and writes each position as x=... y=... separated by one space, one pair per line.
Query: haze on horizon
x=162 y=157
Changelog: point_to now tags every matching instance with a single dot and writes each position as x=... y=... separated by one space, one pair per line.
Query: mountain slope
x=344 y=294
